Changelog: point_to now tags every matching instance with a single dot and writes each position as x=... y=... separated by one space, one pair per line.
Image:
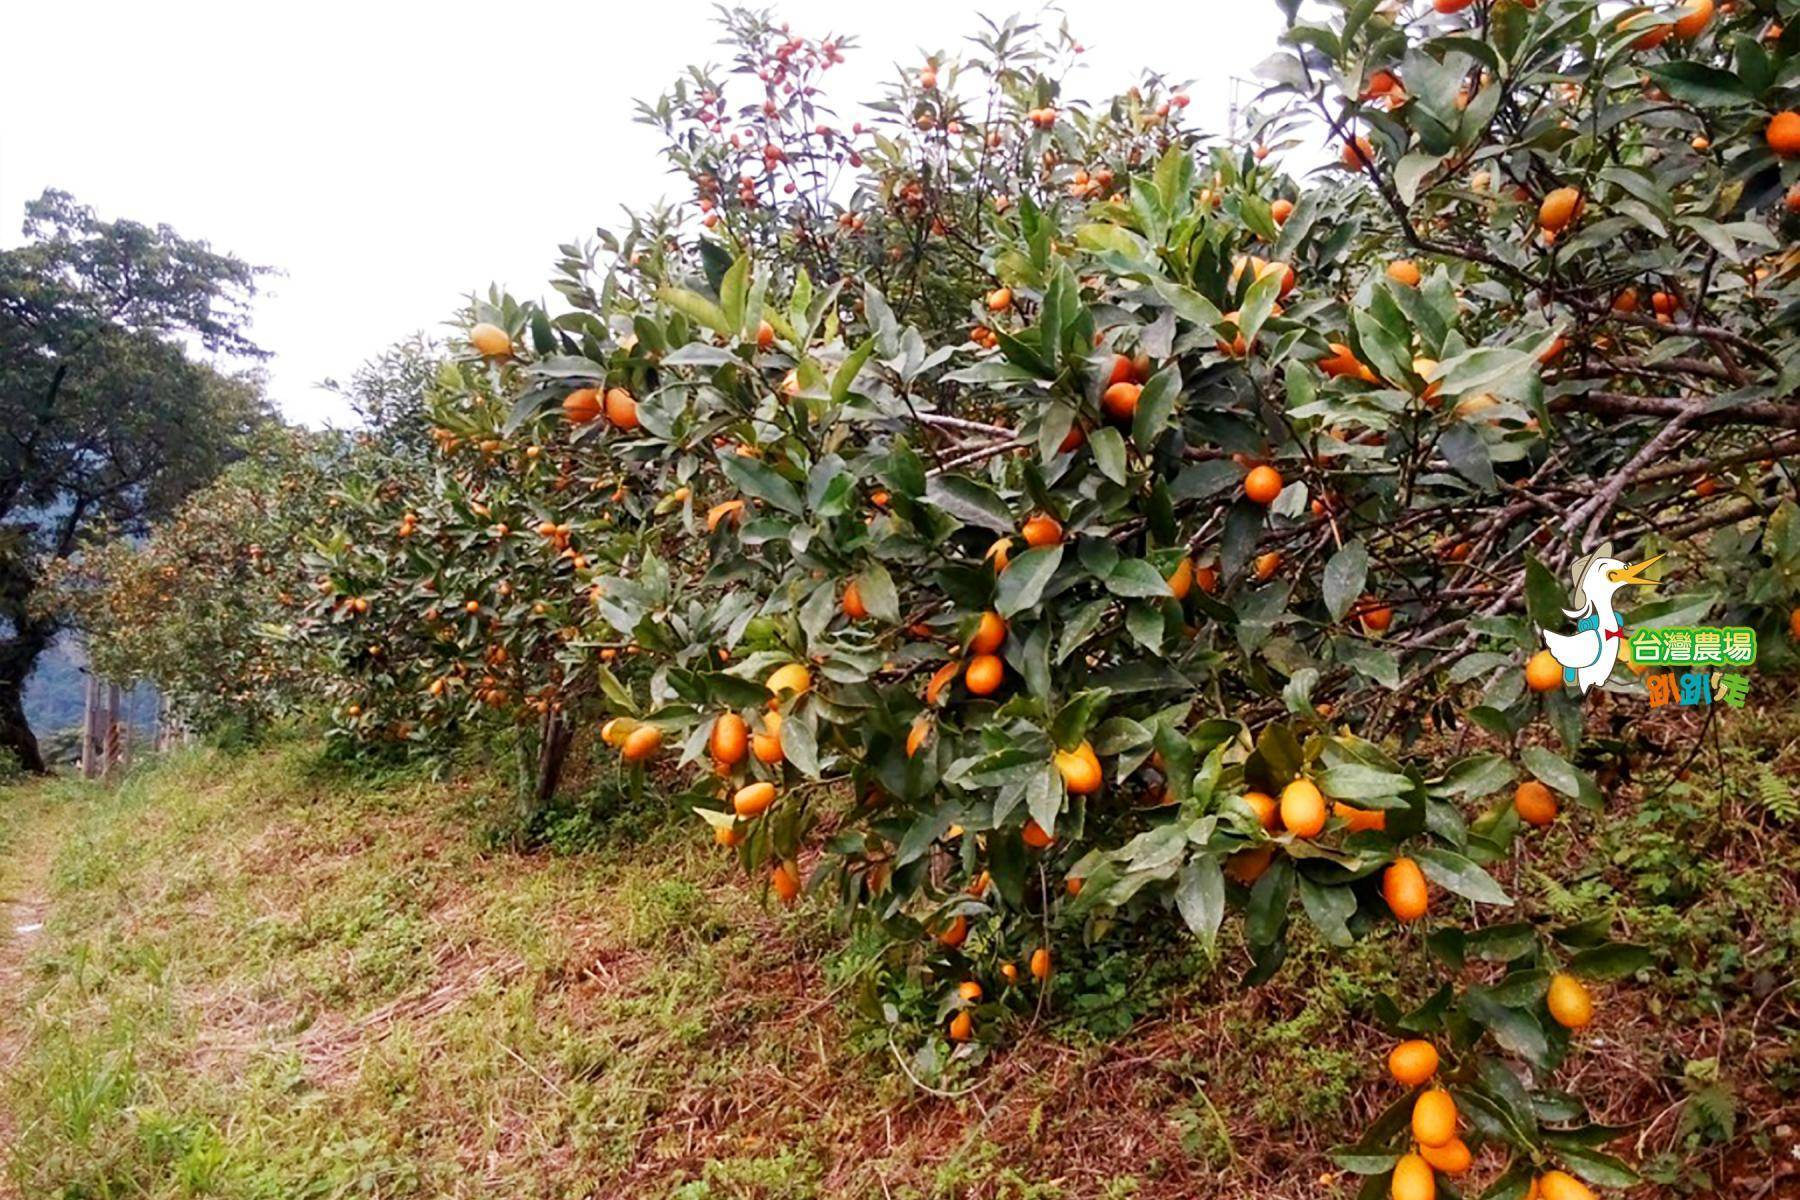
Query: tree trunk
x=18 y=655
x=554 y=736
x=116 y=733
x=92 y=749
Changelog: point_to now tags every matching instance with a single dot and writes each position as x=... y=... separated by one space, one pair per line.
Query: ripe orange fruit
x=753 y=799
x=1357 y=154
x=1267 y=565
x=767 y=745
x=1375 y=616
x=962 y=1027
x=790 y=677
x=490 y=340
x=641 y=743
x=1042 y=530
x=1784 y=133
x=955 y=933
x=1451 y=6
x=1452 y=1158
x=1434 y=1118
x=1181 y=579
x=1403 y=887
x=999 y=300
x=730 y=739
x=581 y=405
x=1653 y=35
x=1664 y=304
x=1000 y=552
x=1404 y=271
x=1412 y=1179
x=765 y=335
x=1080 y=769
x=1794 y=624
x=1560 y=1185
x=853 y=602
x=1035 y=836
x=1559 y=207
x=1302 y=808
x=615 y=731
x=985 y=674
x=1413 y=1062
x=1120 y=401
x=1040 y=964
x=1569 y=1002
x=1263 y=484
x=990 y=634
x=1120 y=371
x=1543 y=673
x=1626 y=301
x=727 y=510
x=942 y=678
x=1358 y=819
x=1343 y=363
x=785 y=881
x=1265 y=808
x=915 y=737
x=1207 y=578
x=621 y=408
x=1009 y=972
x=1534 y=803
x=1247 y=866
x=1281 y=210
x=727 y=836
x=969 y=990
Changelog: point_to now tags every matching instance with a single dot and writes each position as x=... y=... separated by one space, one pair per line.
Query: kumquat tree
x=1043 y=528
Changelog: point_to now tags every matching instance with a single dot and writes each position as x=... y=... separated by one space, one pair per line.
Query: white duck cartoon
x=1589 y=654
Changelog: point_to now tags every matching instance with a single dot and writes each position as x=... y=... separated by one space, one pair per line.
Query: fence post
x=90 y=726
x=116 y=732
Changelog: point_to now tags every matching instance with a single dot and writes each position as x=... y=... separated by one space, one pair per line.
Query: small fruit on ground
x=1534 y=803
x=1302 y=808
x=1434 y=1118
x=1413 y=1062
x=1569 y=1001
x=1403 y=887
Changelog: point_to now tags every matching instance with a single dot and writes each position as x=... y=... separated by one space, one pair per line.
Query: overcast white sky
x=389 y=158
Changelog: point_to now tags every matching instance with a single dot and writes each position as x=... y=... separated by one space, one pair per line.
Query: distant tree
x=105 y=419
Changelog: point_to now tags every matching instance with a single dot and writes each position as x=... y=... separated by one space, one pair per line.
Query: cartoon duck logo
x=1589 y=654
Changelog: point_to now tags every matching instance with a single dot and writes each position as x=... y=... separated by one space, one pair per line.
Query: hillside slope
x=261 y=978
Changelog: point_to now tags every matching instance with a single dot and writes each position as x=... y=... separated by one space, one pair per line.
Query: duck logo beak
x=1635 y=573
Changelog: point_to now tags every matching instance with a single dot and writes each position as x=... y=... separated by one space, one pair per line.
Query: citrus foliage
x=1020 y=520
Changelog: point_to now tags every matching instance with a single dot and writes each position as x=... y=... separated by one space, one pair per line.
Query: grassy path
x=32 y=821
